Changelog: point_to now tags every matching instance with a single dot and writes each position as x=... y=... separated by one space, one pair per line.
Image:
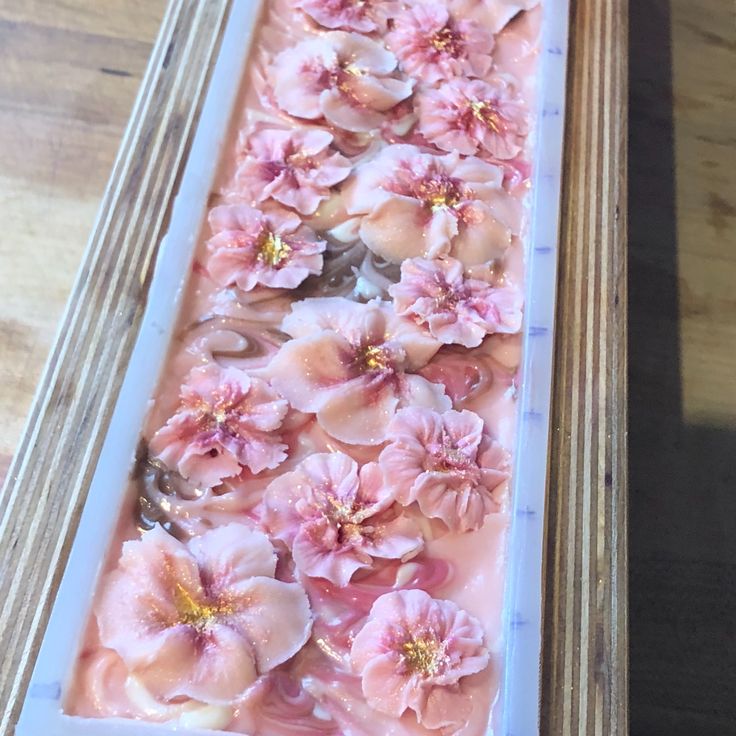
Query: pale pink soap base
x=306 y=339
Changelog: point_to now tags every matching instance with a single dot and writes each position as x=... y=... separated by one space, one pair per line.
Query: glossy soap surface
x=315 y=535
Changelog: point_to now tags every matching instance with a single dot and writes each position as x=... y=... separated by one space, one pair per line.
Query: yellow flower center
x=375 y=358
x=424 y=655
x=352 y=70
x=195 y=613
x=273 y=250
x=485 y=113
x=446 y=40
x=439 y=193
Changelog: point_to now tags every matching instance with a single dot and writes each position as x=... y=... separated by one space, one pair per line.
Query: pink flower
x=353 y=365
x=455 y=309
x=468 y=115
x=491 y=15
x=203 y=619
x=432 y=45
x=363 y=16
x=336 y=520
x=251 y=247
x=446 y=463
x=419 y=204
x=226 y=421
x=344 y=77
x=412 y=654
x=294 y=167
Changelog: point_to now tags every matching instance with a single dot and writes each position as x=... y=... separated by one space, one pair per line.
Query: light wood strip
x=585 y=644
x=49 y=478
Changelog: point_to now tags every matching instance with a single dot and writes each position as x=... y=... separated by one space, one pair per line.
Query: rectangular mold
x=520 y=691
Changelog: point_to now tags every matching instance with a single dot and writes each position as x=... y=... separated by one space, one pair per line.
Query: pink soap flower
x=413 y=653
x=446 y=463
x=454 y=309
x=251 y=247
x=204 y=619
x=432 y=45
x=420 y=204
x=354 y=365
x=471 y=116
x=293 y=167
x=336 y=520
x=491 y=15
x=226 y=421
x=363 y=16
x=344 y=77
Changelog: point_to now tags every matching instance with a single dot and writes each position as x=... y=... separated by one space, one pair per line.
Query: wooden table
x=69 y=74
x=682 y=377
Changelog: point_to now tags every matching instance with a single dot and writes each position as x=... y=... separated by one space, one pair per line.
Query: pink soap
x=315 y=535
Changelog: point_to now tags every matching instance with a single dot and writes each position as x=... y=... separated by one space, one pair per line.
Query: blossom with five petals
x=455 y=309
x=270 y=247
x=433 y=44
x=354 y=365
x=419 y=204
x=337 y=520
x=446 y=463
x=473 y=117
x=226 y=421
x=413 y=653
x=293 y=167
x=344 y=77
x=197 y=619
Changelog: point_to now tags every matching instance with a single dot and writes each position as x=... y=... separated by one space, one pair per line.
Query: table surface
x=70 y=74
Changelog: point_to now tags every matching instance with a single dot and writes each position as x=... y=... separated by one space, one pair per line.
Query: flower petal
x=273 y=636
x=357 y=412
x=308 y=371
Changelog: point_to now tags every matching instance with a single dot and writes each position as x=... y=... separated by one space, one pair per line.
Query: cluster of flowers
x=205 y=618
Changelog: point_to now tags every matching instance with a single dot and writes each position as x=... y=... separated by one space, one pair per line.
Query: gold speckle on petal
x=193 y=612
x=439 y=192
x=424 y=655
x=486 y=114
x=273 y=251
x=447 y=41
x=375 y=358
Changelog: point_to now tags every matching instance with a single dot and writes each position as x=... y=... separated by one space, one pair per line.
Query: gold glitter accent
x=273 y=250
x=483 y=112
x=375 y=358
x=424 y=655
x=446 y=40
x=193 y=613
x=439 y=193
x=352 y=70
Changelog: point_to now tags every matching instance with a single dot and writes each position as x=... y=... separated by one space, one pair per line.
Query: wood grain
x=585 y=653
x=68 y=79
x=50 y=475
x=585 y=628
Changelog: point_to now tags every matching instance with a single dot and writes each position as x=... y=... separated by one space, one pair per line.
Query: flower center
x=446 y=458
x=376 y=358
x=447 y=41
x=273 y=251
x=424 y=655
x=485 y=113
x=194 y=613
x=440 y=192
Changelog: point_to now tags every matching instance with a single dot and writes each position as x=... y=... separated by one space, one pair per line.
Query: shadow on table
x=682 y=492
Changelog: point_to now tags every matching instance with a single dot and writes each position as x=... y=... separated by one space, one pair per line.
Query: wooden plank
x=70 y=73
x=49 y=477
x=585 y=656
x=584 y=664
